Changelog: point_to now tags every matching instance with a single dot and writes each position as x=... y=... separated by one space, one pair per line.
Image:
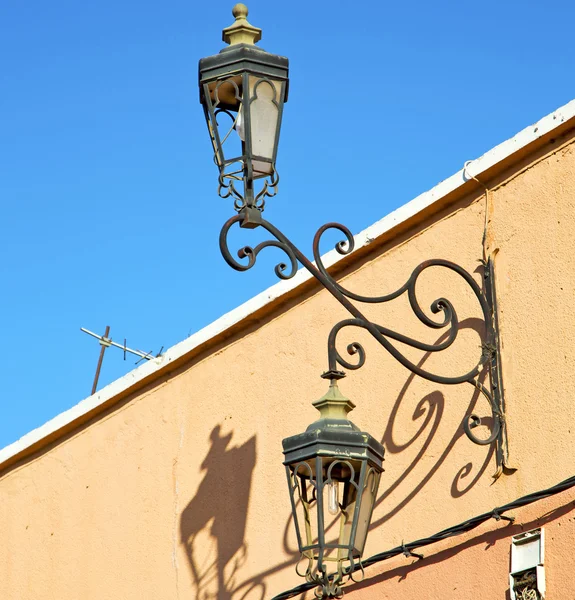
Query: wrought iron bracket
x=489 y=384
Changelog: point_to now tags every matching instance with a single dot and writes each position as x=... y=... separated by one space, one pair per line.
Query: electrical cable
x=459 y=529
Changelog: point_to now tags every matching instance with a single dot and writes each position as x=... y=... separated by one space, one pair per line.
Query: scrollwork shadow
x=437 y=405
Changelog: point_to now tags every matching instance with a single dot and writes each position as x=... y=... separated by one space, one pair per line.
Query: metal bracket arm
x=251 y=218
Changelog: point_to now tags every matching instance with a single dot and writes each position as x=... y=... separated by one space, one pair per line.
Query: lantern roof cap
x=241 y=31
x=333 y=434
x=335 y=440
x=243 y=57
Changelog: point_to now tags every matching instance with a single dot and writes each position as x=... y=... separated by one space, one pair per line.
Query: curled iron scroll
x=441 y=306
x=251 y=254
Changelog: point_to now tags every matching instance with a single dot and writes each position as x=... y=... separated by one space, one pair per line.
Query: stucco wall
x=178 y=491
x=476 y=565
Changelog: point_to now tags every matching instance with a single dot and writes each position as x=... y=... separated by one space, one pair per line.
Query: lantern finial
x=334 y=405
x=241 y=32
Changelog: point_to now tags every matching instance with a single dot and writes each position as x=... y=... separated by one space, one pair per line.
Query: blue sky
x=110 y=212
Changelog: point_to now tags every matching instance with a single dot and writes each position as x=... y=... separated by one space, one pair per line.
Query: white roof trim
x=405 y=212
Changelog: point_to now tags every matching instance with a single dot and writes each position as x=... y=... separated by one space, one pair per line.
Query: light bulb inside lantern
x=333 y=497
x=240 y=126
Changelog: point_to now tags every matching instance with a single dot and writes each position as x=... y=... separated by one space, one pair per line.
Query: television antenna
x=106 y=342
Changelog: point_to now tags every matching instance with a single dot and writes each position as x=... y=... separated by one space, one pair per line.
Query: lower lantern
x=333 y=471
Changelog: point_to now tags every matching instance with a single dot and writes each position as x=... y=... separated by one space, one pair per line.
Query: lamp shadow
x=213 y=524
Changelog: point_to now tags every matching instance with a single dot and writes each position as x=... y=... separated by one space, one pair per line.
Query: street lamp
x=333 y=472
x=333 y=469
x=243 y=90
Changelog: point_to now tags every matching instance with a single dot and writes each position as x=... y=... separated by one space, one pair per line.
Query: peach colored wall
x=476 y=565
x=178 y=492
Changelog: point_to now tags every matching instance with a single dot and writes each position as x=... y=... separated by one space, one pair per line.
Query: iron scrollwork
x=489 y=358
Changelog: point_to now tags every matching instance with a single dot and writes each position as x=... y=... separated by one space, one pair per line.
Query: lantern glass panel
x=256 y=133
x=224 y=98
x=265 y=96
x=340 y=478
x=304 y=498
x=366 y=503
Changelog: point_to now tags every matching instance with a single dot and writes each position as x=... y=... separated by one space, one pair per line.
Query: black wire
x=446 y=533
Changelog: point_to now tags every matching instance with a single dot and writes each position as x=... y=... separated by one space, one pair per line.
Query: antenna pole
x=104 y=342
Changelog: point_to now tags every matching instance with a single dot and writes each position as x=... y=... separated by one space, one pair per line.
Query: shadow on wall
x=429 y=410
x=213 y=524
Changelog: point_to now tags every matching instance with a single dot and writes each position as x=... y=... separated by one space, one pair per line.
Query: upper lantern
x=243 y=90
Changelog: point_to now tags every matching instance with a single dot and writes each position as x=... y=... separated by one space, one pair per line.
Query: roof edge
x=67 y=420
